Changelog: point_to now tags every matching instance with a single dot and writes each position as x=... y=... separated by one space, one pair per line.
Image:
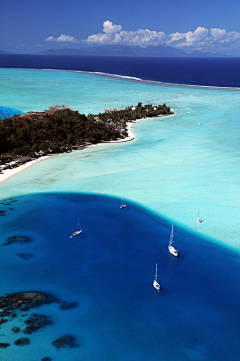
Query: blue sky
x=206 y=25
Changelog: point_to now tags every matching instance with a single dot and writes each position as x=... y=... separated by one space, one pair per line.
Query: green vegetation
x=55 y=131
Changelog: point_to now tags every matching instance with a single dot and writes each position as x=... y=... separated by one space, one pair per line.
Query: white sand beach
x=10 y=172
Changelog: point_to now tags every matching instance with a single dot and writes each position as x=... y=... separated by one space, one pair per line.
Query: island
x=60 y=129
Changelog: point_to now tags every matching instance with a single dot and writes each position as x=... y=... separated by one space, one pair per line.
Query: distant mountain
x=198 y=53
x=120 y=50
x=123 y=50
x=1 y=51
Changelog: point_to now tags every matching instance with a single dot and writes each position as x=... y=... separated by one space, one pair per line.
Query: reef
x=4 y=345
x=65 y=341
x=35 y=322
x=8 y=202
x=12 y=305
x=22 y=341
x=3 y=320
x=16 y=329
x=17 y=239
x=14 y=301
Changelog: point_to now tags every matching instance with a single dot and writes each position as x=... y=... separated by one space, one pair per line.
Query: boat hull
x=77 y=233
x=173 y=251
x=156 y=285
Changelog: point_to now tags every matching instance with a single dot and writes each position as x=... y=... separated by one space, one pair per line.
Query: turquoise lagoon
x=173 y=168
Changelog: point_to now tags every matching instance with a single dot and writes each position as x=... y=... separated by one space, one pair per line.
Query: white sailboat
x=155 y=282
x=79 y=230
x=123 y=205
x=198 y=218
x=171 y=248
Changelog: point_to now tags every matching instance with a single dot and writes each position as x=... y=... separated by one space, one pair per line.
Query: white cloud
x=100 y=38
x=218 y=34
x=176 y=37
x=62 y=38
x=189 y=38
x=113 y=34
x=109 y=27
x=214 y=39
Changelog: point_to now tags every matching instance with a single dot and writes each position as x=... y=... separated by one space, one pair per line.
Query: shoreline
x=131 y=136
x=10 y=172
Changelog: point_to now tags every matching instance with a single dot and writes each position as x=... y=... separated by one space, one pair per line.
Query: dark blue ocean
x=219 y=72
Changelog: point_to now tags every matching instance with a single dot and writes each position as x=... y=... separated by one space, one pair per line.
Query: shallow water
x=173 y=170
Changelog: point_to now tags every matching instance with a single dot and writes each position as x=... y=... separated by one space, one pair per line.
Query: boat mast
x=78 y=224
x=171 y=237
x=156 y=275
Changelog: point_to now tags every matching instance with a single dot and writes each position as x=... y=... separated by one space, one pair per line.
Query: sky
x=206 y=25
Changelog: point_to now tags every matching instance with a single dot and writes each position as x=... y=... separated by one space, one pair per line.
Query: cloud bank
x=113 y=34
x=63 y=38
x=213 y=39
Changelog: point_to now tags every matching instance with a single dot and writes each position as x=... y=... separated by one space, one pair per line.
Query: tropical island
x=60 y=129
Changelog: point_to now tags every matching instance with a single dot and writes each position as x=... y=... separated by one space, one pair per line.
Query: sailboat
x=155 y=282
x=123 y=205
x=79 y=230
x=198 y=218
x=171 y=248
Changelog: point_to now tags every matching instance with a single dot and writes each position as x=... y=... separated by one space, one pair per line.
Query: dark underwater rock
x=65 y=341
x=22 y=341
x=46 y=359
x=16 y=329
x=17 y=239
x=68 y=306
x=36 y=322
x=4 y=345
